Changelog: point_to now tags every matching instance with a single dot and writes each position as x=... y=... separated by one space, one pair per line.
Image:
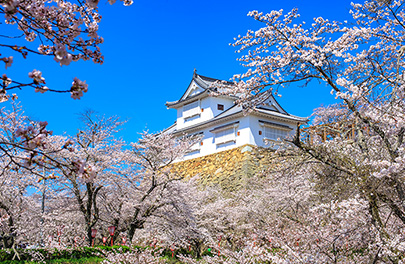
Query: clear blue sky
x=151 y=49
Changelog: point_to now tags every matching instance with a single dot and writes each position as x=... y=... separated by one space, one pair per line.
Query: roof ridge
x=212 y=79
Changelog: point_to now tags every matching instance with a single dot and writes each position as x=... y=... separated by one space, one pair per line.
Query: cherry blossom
x=357 y=143
x=66 y=30
x=78 y=88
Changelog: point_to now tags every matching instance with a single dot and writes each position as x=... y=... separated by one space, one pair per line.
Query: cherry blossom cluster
x=78 y=88
x=84 y=170
x=34 y=137
x=8 y=61
x=66 y=30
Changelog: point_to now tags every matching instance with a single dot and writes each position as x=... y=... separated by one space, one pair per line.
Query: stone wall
x=228 y=169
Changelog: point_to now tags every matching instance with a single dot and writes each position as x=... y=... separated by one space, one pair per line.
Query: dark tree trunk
x=197 y=248
x=89 y=238
x=137 y=224
x=8 y=239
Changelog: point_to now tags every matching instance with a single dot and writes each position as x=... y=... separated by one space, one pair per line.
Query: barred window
x=274 y=133
x=191 y=109
x=224 y=136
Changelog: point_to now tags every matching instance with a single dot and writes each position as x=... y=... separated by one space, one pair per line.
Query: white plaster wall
x=209 y=146
x=248 y=128
x=180 y=120
x=206 y=112
x=181 y=123
x=256 y=127
x=209 y=110
x=214 y=101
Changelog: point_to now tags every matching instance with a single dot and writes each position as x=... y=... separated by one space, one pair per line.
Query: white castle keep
x=222 y=123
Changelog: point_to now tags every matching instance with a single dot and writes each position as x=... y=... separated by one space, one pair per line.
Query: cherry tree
x=91 y=181
x=149 y=188
x=24 y=153
x=303 y=225
x=64 y=30
x=17 y=209
x=361 y=61
x=282 y=218
x=88 y=162
x=22 y=141
x=178 y=225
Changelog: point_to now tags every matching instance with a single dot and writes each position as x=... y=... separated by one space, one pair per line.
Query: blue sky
x=151 y=49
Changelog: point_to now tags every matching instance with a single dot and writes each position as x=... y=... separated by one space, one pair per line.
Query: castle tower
x=228 y=134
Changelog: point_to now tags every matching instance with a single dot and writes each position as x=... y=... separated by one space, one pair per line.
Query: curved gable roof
x=203 y=83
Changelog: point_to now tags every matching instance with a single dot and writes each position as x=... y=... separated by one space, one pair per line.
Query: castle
x=233 y=143
x=222 y=123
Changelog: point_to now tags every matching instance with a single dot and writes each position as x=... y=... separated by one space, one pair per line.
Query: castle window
x=224 y=136
x=192 y=152
x=196 y=148
x=191 y=109
x=220 y=107
x=191 y=118
x=226 y=133
x=274 y=133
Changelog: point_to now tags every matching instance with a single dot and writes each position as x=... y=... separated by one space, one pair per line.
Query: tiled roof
x=273 y=124
x=237 y=111
x=224 y=126
x=281 y=115
x=212 y=80
x=204 y=82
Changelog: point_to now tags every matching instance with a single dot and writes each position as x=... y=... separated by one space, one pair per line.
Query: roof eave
x=180 y=103
x=208 y=123
x=282 y=116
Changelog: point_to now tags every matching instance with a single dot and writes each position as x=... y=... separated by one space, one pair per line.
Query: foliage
x=50 y=254
x=91 y=260
x=135 y=256
x=23 y=148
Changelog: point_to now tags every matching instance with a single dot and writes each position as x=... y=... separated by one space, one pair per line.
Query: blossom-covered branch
x=65 y=30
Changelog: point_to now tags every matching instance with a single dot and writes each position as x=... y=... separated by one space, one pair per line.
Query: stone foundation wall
x=228 y=169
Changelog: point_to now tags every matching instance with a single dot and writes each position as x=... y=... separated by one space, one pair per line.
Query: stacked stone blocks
x=229 y=169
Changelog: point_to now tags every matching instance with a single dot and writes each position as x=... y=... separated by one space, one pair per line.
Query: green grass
x=92 y=260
